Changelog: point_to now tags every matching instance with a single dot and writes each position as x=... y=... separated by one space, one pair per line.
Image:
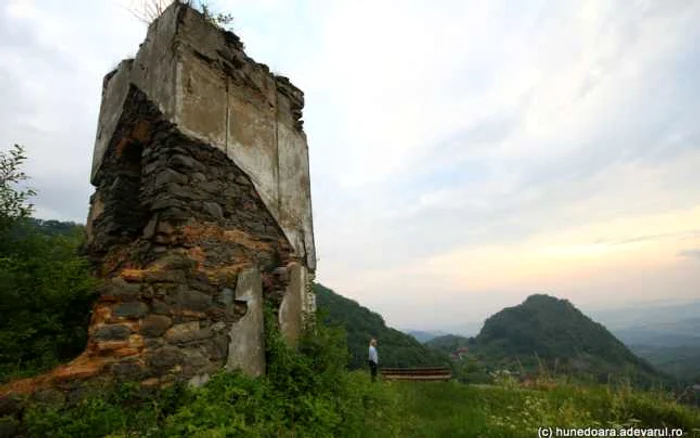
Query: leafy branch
x=13 y=200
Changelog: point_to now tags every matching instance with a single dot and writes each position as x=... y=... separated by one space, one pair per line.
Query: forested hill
x=396 y=349
x=49 y=228
x=555 y=332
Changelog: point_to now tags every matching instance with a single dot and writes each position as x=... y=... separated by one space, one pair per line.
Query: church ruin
x=202 y=210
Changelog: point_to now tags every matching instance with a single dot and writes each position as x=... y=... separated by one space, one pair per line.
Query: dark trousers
x=373 y=370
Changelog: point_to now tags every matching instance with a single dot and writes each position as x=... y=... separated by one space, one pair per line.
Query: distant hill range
x=48 y=228
x=660 y=315
x=396 y=349
x=665 y=334
x=550 y=332
x=425 y=336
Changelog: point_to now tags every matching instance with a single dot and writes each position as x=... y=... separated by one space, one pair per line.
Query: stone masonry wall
x=178 y=223
x=194 y=226
x=201 y=80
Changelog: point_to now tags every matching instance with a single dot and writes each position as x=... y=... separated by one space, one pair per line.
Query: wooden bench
x=419 y=374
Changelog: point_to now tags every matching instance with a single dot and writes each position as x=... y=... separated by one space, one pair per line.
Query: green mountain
x=548 y=331
x=396 y=349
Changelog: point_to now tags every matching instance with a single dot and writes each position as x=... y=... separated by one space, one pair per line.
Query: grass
x=442 y=409
x=308 y=392
x=232 y=405
x=434 y=409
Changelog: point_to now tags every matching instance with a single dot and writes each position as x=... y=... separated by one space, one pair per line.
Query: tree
x=13 y=199
x=46 y=294
x=46 y=290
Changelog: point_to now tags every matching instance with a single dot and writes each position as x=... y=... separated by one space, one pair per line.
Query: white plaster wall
x=252 y=124
x=113 y=97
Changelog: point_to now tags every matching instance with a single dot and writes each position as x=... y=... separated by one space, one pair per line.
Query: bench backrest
x=420 y=374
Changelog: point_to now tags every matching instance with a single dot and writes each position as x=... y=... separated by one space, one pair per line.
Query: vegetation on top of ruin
x=148 y=10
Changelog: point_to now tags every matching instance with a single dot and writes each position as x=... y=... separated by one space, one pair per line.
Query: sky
x=464 y=154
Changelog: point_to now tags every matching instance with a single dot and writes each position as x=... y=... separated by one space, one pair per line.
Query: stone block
x=246 y=350
x=185 y=164
x=155 y=325
x=169 y=176
x=195 y=358
x=218 y=326
x=188 y=299
x=179 y=329
x=128 y=370
x=135 y=309
x=214 y=209
x=165 y=358
x=122 y=290
x=292 y=307
x=160 y=308
x=225 y=297
x=219 y=347
x=115 y=332
x=187 y=332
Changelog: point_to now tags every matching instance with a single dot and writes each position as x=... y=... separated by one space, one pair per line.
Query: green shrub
x=305 y=393
x=46 y=294
x=46 y=290
x=121 y=409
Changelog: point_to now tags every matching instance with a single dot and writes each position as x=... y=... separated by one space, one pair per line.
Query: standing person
x=373 y=359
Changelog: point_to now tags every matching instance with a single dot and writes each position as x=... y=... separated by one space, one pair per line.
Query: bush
x=46 y=294
x=305 y=393
x=46 y=290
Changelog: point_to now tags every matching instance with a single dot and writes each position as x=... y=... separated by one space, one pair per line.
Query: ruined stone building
x=202 y=209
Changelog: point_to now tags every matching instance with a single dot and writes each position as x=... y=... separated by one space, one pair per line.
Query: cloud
x=691 y=253
x=554 y=149
x=518 y=140
x=50 y=79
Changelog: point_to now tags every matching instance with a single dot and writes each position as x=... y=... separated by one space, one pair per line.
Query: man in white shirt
x=373 y=359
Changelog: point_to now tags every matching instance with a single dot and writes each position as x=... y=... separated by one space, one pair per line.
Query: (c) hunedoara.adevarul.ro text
x=551 y=432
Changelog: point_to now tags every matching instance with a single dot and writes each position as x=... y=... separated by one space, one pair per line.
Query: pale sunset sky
x=464 y=154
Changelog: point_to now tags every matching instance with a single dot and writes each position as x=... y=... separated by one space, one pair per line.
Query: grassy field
x=233 y=405
x=454 y=410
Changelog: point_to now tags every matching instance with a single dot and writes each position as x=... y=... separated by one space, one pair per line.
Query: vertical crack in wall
x=228 y=113
x=277 y=145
